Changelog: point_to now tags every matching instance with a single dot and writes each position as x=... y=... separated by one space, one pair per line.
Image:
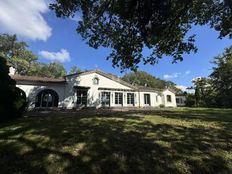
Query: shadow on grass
x=115 y=143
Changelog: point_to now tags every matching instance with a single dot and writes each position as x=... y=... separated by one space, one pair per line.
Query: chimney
x=12 y=71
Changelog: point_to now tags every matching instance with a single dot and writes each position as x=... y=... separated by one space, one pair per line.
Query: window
x=147 y=100
x=118 y=98
x=105 y=98
x=95 y=80
x=169 y=98
x=157 y=99
x=177 y=100
x=130 y=99
x=47 y=98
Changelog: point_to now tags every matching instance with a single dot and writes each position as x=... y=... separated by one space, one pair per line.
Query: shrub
x=12 y=100
x=161 y=106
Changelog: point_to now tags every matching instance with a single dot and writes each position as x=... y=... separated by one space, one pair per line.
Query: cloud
x=24 y=18
x=171 y=76
x=176 y=75
x=60 y=56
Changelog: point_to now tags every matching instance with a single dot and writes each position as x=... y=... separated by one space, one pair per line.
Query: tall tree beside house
x=222 y=78
x=12 y=100
x=204 y=93
x=130 y=26
x=17 y=54
x=74 y=69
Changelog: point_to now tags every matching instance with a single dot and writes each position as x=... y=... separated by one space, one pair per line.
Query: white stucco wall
x=173 y=97
x=181 y=98
x=93 y=93
x=68 y=98
x=32 y=90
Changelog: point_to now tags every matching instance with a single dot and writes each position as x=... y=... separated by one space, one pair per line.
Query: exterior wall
x=93 y=92
x=68 y=98
x=173 y=98
x=155 y=99
x=32 y=90
x=182 y=100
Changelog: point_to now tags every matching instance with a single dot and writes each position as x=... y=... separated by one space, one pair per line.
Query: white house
x=180 y=100
x=90 y=89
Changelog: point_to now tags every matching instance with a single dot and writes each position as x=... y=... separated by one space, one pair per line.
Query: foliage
x=190 y=100
x=24 y=61
x=222 y=78
x=75 y=69
x=53 y=70
x=216 y=90
x=129 y=26
x=17 y=54
x=142 y=78
x=12 y=101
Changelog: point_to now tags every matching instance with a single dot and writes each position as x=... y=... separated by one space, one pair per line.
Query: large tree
x=74 y=69
x=142 y=78
x=222 y=78
x=204 y=93
x=129 y=26
x=17 y=54
x=54 y=70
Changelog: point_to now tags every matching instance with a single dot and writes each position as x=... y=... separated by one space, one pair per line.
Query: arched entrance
x=22 y=98
x=47 y=98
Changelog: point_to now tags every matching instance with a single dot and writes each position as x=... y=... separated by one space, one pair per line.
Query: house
x=90 y=89
x=180 y=100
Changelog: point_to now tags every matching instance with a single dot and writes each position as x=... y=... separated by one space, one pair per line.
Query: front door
x=82 y=98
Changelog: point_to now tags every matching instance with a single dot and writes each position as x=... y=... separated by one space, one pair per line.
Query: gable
x=104 y=81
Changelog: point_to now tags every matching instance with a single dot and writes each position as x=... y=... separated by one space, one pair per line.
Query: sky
x=55 y=39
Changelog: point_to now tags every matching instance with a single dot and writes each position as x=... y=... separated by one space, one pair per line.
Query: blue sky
x=51 y=37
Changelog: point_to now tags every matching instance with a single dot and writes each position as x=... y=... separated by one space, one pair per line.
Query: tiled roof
x=37 y=79
x=144 y=88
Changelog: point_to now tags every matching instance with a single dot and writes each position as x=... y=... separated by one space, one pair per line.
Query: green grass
x=179 y=140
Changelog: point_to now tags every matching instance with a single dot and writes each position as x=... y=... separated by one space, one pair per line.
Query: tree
x=129 y=26
x=57 y=69
x=142 y=78
x=222 y=78
x=53 y=70
x=12 y=100
x=17 y=54
x=172 y=86
x=75 y=69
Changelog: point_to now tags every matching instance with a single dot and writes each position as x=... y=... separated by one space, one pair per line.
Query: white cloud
x=187 y=72
x=60 y=56
x=176 y=75
x=171 y=76
x=24 y=18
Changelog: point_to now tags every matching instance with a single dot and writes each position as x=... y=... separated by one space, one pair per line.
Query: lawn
x=153 y=141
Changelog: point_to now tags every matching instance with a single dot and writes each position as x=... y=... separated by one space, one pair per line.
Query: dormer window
x=95 y=80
